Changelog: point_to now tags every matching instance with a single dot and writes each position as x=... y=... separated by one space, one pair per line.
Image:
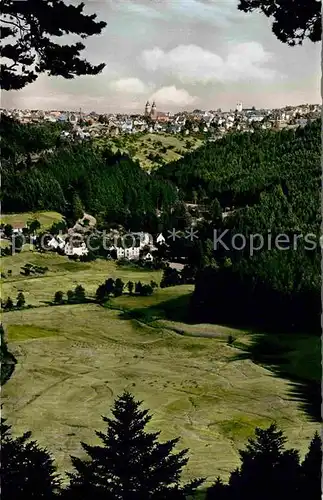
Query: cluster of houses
x=77 y=241
x=131 y=246
x=214 y=122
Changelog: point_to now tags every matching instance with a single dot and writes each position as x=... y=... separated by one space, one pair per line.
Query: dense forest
x=271 y=183
x=66 y=175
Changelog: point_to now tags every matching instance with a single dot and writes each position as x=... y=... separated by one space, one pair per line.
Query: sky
x=184 y=54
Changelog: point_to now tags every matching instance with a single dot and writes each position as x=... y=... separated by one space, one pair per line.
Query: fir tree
x=109 y=286
x=138 y=287
x=130 y=286
x=27 y=471
x=9 y=304
x=79 y=293
x=267 y=470
x=218 y=491
x=20 y=300
x=311 y=471
x=118 y=288
x=77 y=207
x=131 y=464
x=7 y=360
x=101 y=293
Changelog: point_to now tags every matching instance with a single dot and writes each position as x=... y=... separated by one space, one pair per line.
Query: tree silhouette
x=101 y=294
x=27 y=471
x=34 y=225
x=79 y=293
x=27 y=42
x=311 y=471
x=267 y=470
x=9 y=304
x=70 y=296
x=130 y=286
x=7 y=360
x=118 y=287
x=8 y=230
x=218 y=491
x=293 y=20
x=77 y=207
x=131 y=464
x=110 y=286
x=20 y=300
x=58 y=297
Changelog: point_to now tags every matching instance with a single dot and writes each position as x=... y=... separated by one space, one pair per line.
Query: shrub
x=146 y=290
x=9 y=304
x=79 y=293
x=231 y=340
x=58 y=297
x=20 y=300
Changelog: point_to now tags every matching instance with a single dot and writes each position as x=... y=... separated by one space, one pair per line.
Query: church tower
x=147 y=109
x=153 y=113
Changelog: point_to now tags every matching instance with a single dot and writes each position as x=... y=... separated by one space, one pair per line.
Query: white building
x=71 y=250
x=239 y=107
x=148 y=257
x=56 y=242
x=129 y=245
x=160 y=239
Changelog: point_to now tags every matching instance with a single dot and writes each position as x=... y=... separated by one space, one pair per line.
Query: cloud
x=129 y=86
x=191 y=63
x=171 y=96
x=207 y=11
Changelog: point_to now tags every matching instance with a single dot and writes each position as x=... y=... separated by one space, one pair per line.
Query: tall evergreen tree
x=77 y=207
x=79 y=293
x=101 y=293
x=118 y=288
x=311 y=471
x=9 y=304
x=20 y=300
x=7 y=360
x=27 y=471
x=110 y=286
x=131 y=464
x=267 y=470
x=218 y=491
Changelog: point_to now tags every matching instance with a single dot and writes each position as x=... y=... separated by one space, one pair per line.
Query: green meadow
x=46 y=219
x=73 y=360
x=141 y=146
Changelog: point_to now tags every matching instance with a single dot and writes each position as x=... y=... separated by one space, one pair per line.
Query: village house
x=18 y=227
x=130 y=246
x=148 y=257
x=71 y=250
x=56 y=243
x=160 y=239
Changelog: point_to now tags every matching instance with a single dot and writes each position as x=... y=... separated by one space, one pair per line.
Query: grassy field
x=46 y=219
x=73 y=360
x=63 y=274
x=141 y=146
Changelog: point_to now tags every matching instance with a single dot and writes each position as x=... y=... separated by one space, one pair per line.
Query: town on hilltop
x=213 y=123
